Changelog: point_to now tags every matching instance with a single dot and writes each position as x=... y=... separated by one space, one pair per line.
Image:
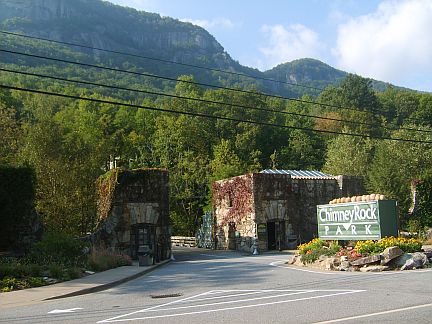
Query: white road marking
x=61 y=311
x=235 y=295
x=153 y=307
x=161 y=308
x=375 y=314
x=345 y=273
x=219 y=256
x=276 y=264
x=232 y=301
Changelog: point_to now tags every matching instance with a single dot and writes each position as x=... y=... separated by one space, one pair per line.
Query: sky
x=388 y=40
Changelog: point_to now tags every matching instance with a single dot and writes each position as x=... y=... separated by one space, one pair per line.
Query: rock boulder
x=391 y=253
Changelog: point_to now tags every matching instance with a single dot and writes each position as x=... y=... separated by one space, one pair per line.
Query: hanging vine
x=106 y=185
x=238 y=191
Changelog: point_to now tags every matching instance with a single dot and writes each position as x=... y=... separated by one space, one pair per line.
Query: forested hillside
x=71 y=112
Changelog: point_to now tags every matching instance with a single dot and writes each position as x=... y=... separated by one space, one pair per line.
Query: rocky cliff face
x=102 y=24
x=37 y=9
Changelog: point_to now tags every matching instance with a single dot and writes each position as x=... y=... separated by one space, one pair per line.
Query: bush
x=74 y=273
x=103 y=259
x=408 y=245
x=315 y=244
x=310 y=252
x=10 y=283
x=58 y=248
x=55 y=270
x=14 y=268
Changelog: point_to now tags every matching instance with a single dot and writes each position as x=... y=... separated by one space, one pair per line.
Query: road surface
x=204 y=286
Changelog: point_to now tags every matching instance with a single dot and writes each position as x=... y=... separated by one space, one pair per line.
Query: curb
x=109 y=285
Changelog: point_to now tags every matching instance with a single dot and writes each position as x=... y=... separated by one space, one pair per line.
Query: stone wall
x=279 y=200
x=140 y=200
x=350 y=186
x=272 y=197
x=307 y=193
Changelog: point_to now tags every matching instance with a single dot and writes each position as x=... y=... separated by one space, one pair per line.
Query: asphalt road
x=204 y=286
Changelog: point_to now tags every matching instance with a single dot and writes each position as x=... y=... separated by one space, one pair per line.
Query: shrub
x=408 y=245
x=55 y=270
x=315 y=244
x=16 y=268
x=103 y=259
x=74 y=273
x=9 y=284
x=36 y=281
x=310 y=252
x=58 y=248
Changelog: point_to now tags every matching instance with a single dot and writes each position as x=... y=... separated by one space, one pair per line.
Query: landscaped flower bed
x=385 y=254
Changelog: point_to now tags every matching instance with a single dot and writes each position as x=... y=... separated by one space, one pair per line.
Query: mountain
x=100 y=24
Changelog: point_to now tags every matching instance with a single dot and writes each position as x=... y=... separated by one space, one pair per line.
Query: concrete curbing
x=109 y=285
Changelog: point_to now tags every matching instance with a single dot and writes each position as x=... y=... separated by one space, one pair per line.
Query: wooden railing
x=183 y=241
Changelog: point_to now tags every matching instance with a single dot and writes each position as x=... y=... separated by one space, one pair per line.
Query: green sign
x=357 y=221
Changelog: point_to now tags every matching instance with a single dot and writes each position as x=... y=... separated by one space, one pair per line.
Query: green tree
x=423 y=215
x=349 y=155
x=396 y=164
x=10 y=134
x=357 y=95
x=225 y=163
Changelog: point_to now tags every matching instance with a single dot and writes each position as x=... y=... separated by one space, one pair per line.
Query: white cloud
x=392 y=44
x=287 y=44
x=223 y=23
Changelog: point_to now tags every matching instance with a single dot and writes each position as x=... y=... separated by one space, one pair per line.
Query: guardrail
x=183 y=241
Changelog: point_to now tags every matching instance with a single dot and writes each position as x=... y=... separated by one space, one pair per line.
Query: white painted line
x=234 y=295
x=375 y=314
x=281 y=290
x=232 y=308
x=232 y=301
x=275 y=264
x=62 y=311
x=349 y=273
x=153 y=307
x=218 y=256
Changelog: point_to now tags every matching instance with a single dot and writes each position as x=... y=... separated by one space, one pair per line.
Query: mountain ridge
x=101 y=24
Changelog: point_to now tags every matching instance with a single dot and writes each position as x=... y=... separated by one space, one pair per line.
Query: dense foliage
x=17 y=210
x=56 y=257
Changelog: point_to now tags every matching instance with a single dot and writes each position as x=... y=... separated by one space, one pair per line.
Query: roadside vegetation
x=313 y=250
x=57 y=257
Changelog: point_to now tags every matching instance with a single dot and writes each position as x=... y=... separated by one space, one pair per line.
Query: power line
x=203 y=100
x=116 y=103
x=161 y=60
x=184 y=81
x=183 y=97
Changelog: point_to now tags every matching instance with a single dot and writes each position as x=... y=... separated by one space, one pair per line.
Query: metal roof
x=299 y=173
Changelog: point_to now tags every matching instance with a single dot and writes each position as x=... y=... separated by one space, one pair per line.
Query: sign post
x=370 y=220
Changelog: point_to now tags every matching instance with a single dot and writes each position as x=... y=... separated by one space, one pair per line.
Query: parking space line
x=115 y=319
x=232 y=301
x=122 y=319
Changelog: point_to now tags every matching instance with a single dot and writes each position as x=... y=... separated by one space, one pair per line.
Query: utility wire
x=204 y=100
x=183 y=97
x=116 y=103
x=184 y=81
x=161 y=60
x=377 y=113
